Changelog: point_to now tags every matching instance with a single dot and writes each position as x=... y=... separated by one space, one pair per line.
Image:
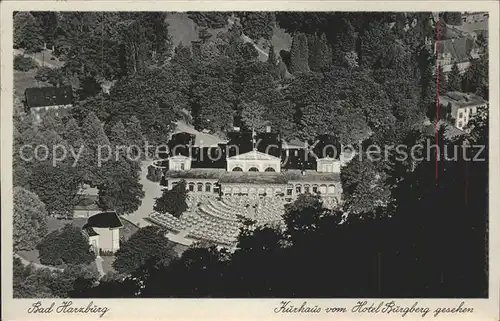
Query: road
x=42 y=58
x=36 y=265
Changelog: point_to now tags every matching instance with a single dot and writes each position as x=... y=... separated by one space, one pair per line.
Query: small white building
x=463 y=107
x=103 y=231
x=179 y=163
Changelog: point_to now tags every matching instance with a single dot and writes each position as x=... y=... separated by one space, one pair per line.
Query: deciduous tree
x=27 y=33
x=65 y=246
x=172 y=201
x=29 y=218
x=252 y=114
x=148 y=242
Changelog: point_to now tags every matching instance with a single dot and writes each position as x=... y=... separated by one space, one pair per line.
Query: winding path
x=152 y=190
x=36 y=265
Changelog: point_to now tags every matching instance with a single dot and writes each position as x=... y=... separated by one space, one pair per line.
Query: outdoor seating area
x=173 y=223
x=219 y=220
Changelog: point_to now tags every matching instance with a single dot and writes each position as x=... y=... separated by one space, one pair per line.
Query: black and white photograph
x=250 y=154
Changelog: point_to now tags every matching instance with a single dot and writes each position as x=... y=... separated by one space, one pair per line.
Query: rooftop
x=200 y=173
x=103 y=220
x=86 y=203
x=90 y=231
x=48 y=96
x=460 y=48
x=253 y=178
x=254 y=155
x=460 y=100
x=311 y=175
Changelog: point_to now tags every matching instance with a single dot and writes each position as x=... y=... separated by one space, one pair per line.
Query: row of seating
x=218 y=220
x=168 y=221
x=220 y=233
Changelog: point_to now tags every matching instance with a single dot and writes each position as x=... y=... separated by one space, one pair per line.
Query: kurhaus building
x=254 y=173
x=249 y=177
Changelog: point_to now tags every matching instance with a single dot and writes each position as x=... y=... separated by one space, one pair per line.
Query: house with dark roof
x=42 y=99
x=460 y=50
x=103 y=231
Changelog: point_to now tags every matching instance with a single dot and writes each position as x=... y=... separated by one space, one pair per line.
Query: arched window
x=270 y=169
x=253 y=169
x=298 y=188
x=200 y=187
x=191 y=187
x=331 y=189
x=237 y=169
x=208 y=187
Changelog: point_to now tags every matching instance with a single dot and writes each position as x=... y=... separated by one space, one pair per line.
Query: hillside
x=183 y=29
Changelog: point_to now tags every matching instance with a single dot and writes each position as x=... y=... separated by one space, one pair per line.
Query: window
x=315 y=189
x=182 y=166
x=269 y=169
x=191 y=187
x=253 y=169
x=200 y=187
x=208 y=187
x=460 y=115
x=298 y=189
x=237 y=169
x=289 y=191
x=306 y=189
x=459 y=124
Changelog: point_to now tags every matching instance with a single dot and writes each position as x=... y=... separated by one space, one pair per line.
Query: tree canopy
x=172 y=201
x=148 y=242
x=30 y=219
x=65 y=246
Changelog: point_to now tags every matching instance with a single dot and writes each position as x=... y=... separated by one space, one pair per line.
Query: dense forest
x=358 y=76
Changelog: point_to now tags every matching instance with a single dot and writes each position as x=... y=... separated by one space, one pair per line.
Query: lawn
x=181 y=28
x=23 y=80
x=55 y=224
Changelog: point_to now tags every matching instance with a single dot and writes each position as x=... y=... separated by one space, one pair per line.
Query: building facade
x=463 y=107
x=255 y=174
x=103 y=231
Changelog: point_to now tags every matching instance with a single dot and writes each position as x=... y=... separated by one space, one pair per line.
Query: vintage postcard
x=242 y=160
